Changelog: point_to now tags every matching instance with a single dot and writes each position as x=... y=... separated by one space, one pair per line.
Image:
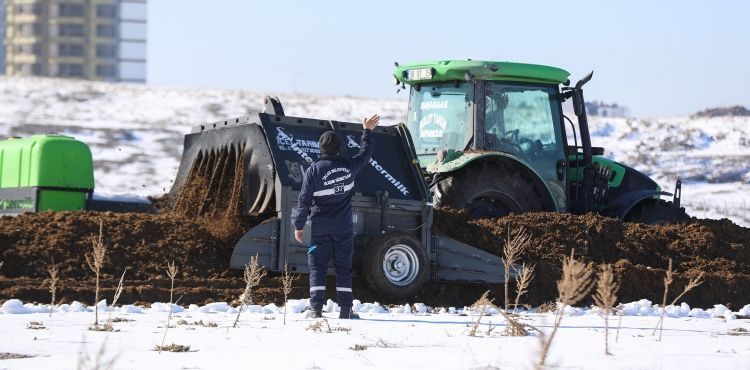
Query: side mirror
x=584 y=80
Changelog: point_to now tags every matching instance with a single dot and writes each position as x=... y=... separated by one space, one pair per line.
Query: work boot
x=313 y=314
x=347 y=313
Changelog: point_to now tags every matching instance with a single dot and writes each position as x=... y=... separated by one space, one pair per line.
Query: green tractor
x=493 y=140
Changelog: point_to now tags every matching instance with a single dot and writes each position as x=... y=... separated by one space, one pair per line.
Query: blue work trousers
x=341 y=245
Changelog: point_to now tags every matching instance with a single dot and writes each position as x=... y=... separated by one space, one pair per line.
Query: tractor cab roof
x=460 y=70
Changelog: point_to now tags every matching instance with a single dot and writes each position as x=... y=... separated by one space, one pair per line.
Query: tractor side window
x=440 y=117
x=522 y=120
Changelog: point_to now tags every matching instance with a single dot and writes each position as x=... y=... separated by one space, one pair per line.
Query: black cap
x=329 y=143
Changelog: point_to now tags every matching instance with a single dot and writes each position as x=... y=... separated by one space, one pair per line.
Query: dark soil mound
x=200 y=243
x=640 y=252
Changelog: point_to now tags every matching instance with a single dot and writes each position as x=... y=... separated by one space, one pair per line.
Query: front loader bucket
x=226 y=169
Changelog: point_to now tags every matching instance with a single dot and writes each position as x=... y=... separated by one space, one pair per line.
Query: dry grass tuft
x=547 y=307
x=515 y=244
x=53 y=279
x=35 y=325
x=605 y=298
x=516 y=328
x=95 y=260
x=253 y=275
x=576 y=282
x=481 y=304
x=668 y=280
x=287 y=280
x=318 y=327
x=172 y=348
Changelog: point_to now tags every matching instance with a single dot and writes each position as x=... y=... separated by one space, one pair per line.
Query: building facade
x=84 y=39
x=602 y=109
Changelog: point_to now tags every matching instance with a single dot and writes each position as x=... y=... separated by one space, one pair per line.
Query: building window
x=34 y=49
x=105 y=30
x=29 y=29
x=106 y=70
x=67 y=29
x=70 y=50
x=70 y=70
x=106 y=51
x=29 y=68
x=70 y=10
x=107 y=11
x=35 y=9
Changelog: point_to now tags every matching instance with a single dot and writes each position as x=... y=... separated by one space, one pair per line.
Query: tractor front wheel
x=489 y=190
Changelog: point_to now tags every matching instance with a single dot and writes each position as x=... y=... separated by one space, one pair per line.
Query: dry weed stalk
x=1 y=264
x=253 y=274
x=523 y=281
x=172 y=274
x=620 y=313
x=575 y=283
x=668 y=280
x=515 y=244
x=606 y=297
x=287 y=280
x=95 y=260
x=481 y=304
x=118 y=292
x=53 y=279
x=100 y=360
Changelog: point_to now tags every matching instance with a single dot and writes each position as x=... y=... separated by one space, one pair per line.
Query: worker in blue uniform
x=326 y=196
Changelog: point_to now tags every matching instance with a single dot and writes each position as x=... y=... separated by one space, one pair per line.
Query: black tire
x=489 y=190
x=381 y=273
x=657 y=212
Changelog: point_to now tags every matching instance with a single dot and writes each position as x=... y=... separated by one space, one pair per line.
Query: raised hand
x=371 y=123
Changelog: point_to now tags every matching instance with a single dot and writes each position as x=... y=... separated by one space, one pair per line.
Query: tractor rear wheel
x=489 y=190
x=657 y=212
x=396 y=265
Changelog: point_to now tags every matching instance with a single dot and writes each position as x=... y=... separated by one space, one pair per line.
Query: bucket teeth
x=224 y=172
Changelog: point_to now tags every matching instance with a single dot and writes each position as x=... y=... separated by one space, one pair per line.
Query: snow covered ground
x=402 y=337
x=136 y=132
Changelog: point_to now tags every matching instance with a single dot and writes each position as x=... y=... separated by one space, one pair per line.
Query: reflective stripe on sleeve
x=314 y=288
x=341 y=289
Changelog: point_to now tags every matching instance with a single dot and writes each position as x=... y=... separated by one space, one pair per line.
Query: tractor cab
x=462 y=109
x=492 y=139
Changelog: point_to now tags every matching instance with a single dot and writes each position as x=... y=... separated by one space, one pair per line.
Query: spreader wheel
x=396 y=265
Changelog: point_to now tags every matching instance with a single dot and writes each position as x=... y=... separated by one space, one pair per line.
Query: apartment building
x=84 y=39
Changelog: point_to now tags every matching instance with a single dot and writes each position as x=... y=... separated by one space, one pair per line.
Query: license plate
x=420 y=74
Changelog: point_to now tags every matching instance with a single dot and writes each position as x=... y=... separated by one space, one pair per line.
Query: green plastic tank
x=44 y=172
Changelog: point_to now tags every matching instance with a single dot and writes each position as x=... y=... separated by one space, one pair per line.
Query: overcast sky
x=659 y=58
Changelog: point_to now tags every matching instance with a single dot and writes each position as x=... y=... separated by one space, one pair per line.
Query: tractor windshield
x=440 y=117
x=522 y=119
